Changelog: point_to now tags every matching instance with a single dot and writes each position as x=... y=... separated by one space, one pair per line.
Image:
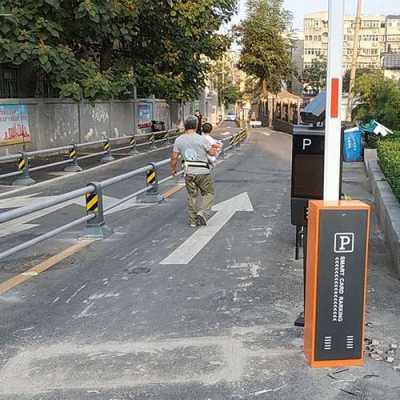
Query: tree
x=314 y=76
x=346 y=77
x=102 y=48
x=73 y=43
x=231 y=95
x=378 y=98
x=221 y=77
x=265 y=46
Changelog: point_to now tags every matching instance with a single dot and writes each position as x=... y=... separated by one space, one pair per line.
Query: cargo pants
x=204 y=185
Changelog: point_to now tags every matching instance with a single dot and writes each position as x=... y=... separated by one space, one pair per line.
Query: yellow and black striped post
x=133 y=144
x=92 y=202
x=96 y=227
x=108 y=155
x=153 y=141
x=73 y=156
x=24 y=179
x=22 y=163
x=152 y=194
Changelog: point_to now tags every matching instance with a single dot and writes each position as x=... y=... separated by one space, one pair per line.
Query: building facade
x=378 y=35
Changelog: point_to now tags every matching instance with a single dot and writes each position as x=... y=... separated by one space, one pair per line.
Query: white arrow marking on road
x=192 y=246
x=23 y=223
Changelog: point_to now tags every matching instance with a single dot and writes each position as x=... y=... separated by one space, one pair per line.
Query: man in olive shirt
x=194 y=150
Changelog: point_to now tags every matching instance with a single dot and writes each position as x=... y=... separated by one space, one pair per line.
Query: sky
x=301 y=7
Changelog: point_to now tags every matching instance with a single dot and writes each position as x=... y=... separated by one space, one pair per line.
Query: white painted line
x=192 y=246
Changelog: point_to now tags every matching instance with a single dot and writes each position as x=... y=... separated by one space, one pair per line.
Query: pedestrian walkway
x=118 y=321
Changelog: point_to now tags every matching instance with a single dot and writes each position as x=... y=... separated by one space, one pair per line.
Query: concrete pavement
x=115 y=322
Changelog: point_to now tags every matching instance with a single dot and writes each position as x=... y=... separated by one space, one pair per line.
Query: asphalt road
x=117 y=321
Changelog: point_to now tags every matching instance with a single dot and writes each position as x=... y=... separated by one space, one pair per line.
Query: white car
x=231 y=116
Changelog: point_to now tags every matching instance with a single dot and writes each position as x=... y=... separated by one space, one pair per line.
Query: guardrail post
x=96 y=227
x=153 y=141
x=152 y=195
x=222 y=154
x=73 y=155
x=133 y=143
x=107 y=157
x=169 y=138
x=23 y=165
x=238 y=140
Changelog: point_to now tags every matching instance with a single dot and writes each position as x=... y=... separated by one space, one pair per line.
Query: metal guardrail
x=93 y=192
x=23 y=177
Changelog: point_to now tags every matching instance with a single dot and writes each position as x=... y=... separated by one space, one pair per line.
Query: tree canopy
x=378 y=98
x=102 y=48
x=266 y=44
x=314 y=76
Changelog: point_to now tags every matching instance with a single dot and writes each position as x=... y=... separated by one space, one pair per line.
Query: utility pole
x=356 y=50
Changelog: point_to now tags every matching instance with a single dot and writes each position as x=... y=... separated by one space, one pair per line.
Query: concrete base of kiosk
x=336 y=286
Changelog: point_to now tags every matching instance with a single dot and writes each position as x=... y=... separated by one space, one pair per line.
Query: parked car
x=231 y=116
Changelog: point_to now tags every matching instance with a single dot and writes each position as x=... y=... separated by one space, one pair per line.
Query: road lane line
x=43 y=266
x=173 y=190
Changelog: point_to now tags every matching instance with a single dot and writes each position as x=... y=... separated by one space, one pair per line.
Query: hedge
x=389 y=159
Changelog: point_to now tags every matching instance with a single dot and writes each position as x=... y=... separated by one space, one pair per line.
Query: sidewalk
x=117 y=321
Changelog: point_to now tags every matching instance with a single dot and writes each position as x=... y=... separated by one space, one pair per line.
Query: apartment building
x=392 y=34
x=378 y=35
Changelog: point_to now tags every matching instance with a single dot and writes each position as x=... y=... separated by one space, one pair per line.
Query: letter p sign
x=306 y=143
x=344 y=242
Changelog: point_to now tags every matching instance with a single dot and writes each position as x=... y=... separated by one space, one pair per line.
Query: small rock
x=375 y=342
x=389 y=359
x=376 y=357
x=397 y=367
x=394 y=346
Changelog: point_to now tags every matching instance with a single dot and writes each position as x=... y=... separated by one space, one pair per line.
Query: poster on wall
x=145 y=115
x=14 y=124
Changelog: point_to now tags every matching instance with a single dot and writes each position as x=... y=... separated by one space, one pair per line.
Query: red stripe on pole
x=335 y=98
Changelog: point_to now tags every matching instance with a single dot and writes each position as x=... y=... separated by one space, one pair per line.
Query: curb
x=386 y=205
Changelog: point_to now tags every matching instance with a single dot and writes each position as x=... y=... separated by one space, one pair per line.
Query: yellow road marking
x=43 y=266
x=172 y=191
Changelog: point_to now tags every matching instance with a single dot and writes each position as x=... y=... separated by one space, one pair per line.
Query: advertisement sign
x=14 y=124
x=145 y=115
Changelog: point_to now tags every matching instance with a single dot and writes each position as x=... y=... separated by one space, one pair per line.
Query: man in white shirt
x=194 y=150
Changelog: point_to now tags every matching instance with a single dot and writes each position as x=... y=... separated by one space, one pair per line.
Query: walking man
x=194 y=150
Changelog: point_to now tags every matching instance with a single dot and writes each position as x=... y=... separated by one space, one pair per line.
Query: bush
x=389 y=159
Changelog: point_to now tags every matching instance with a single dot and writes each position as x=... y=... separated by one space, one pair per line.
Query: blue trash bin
x=352 y=145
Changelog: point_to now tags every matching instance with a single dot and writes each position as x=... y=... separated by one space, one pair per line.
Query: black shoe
x=300 y=320
x=200 y=220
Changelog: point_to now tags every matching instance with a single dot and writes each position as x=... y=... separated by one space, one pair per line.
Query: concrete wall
x=58 y=122
x=387 y=207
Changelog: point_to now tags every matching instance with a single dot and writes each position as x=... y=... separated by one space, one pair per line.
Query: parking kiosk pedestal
x=336 y=286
